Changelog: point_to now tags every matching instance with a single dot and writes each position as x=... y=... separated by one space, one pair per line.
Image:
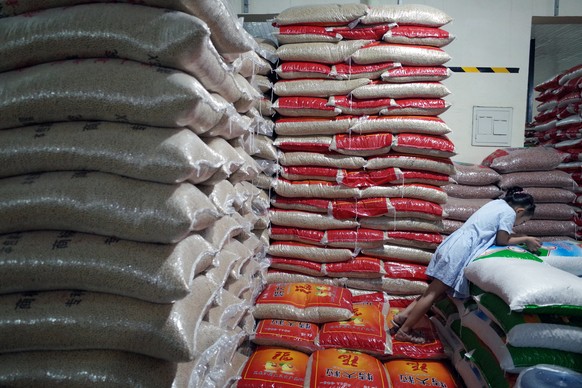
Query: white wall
x=493 y=33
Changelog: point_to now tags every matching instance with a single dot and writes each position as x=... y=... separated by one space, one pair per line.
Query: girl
x=491 y=224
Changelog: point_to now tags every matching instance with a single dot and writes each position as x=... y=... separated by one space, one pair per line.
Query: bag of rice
x=323 y=160
x=66 y=260
x=550 y=194
x=145 y=94
x=287 y=334
x=299 y=70
x=378 y=89
x=474 y=174
x=327 y=53
x=390 y=252
x=324 y=14
x=345 y=368
x=274 y=366
x=366 y=331
x=407 y=74
x=305 y=34
x=523 y=159
x=313 y=253
x=407 y=55
x=317 y=87
x=299 y=219
x=155 y=154
x=460 y=209
x=418 y=35
x=530 y=330
x=105 y=204
x=473 y=192
x=435 y=146
x=305 y=106
x=304 y=302
x=81 y=367
x=413 y=162
x=542 y=288
x=407 y=14
x=371 y=71
x=359 y=267
x=361 y=125
x=173 y=40
x=548 y=228
x=402 y=224
x=409 y=373
x=77 y=320
x=304 y=267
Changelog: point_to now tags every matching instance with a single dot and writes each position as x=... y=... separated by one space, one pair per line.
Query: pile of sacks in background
x=525 y=312
x=558 y=123
x=131 y=232
x=536 y=170
x=357 y=210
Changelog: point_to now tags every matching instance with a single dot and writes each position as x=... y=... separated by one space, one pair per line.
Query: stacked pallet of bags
x=357 y=205
x=558 y=109
x=474 y=185
x=525 y=312
x=129 y=253
x=536 y=170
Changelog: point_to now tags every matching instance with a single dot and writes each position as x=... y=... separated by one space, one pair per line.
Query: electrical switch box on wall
x=491 y=126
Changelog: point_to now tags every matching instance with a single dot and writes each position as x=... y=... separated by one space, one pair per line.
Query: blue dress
x=476 y=235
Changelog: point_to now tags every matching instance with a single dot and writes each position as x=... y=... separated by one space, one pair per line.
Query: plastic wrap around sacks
x=163 y=155
x=80 y=367
x=228 y=35
x=158 y=273
x=109 y=90
x=76 y=320
x=104 y=204
x=143 y=34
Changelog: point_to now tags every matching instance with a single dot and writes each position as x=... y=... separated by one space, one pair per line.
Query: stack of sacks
x=513 y=323
x=317 y=335
x=535 y=170
x=474 y=186
x=127 y=214
x=260 y=146
x=363 y=151
x=558 y=117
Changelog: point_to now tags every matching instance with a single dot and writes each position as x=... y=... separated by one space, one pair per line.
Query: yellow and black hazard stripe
x=467 y=69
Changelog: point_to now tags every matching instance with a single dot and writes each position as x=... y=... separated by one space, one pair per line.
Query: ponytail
x=516 y=197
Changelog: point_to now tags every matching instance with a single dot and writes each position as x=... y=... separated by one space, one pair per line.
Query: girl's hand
x=533 y=244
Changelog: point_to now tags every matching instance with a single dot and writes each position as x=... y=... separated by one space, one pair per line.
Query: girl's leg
x=421 y=306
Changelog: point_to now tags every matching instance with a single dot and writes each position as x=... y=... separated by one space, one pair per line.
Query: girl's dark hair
x=516 y=197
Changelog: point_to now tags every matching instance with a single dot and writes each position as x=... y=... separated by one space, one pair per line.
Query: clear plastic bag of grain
x=82 y=90
x=228 y=34
x=78 y=320
x=472 y=174
x=163 y=155
x=81 y=368
x=158 y=273
x=316 y=303
x=507 y=160
x=172 y=39
x=104 y=204
x=324 y=14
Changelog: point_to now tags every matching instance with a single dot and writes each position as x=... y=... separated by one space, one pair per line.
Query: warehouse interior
x=286 y=194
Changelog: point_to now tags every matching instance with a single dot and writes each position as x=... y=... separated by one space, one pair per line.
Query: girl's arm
x=504 y=238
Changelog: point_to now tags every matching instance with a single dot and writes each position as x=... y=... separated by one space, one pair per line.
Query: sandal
x=413 y=337
x=395 y=325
